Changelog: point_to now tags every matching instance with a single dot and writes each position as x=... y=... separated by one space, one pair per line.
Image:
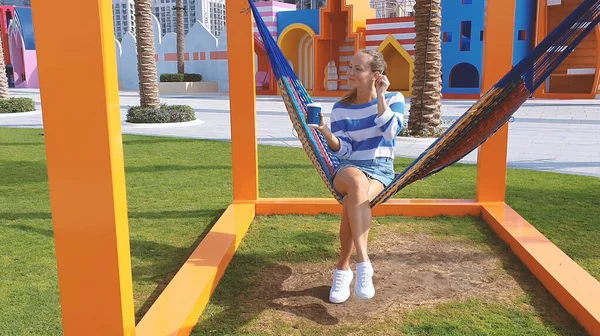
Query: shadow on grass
x=180 y=255
x=165 y=258
x=547 y=308
x=242 y=294
x=22 y=172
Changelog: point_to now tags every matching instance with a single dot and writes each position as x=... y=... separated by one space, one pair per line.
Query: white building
x=309 y=4
x=393 y=8
x=15 y=2
x=165 y=12
x=212 y=14
x=123 y=17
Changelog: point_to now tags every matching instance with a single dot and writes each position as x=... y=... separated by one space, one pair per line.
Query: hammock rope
x=469 y=131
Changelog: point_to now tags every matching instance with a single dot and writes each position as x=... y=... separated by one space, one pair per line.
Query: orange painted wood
x=491 y=167
x=85 y=166
x=242 y=90
x=179 y=306
x=576 y=290
x=465 y=96
x=584 y=56
x=393 y=207
x=497 y=61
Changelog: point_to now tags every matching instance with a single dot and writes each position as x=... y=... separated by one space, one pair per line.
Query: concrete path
x=547 y=135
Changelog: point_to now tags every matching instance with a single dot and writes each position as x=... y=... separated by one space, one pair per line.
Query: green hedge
x=14 y=105
x=176 y=77
x=163 y=114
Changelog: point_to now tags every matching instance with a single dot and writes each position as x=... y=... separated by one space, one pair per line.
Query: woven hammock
x=469 y=131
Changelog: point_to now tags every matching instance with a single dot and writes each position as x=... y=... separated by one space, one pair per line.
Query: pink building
x=22 y=49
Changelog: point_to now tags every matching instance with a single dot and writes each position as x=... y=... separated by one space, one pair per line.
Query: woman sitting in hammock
x=364 y=125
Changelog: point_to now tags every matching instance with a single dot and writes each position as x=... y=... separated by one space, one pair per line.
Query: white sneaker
x=340 y=289
x=363 y=288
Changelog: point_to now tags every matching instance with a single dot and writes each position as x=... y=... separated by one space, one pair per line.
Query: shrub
x=14 y=105
x=445 y=123
x=163 y=114
x=176 y=77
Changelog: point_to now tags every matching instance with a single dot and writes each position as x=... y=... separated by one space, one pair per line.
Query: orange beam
x=576 y=290
x=242 y=91
x=393 y=207
x=178 y=308
x=497 y=61
x=540 y=34
x=85 y=166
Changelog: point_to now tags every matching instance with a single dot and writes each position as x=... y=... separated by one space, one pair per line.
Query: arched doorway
x=464 y=75
x=296 y=43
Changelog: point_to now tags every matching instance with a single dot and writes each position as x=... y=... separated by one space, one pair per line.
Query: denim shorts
x=380 y=169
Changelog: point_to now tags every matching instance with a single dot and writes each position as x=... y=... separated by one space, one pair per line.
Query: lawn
x=177 y=188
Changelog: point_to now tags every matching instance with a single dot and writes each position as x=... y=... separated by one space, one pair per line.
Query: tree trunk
x=3 y=79
x=180 y=37
x=425 y=108
x=149 y=96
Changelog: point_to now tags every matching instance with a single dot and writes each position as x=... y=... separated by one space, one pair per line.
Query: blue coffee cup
x=313 y=114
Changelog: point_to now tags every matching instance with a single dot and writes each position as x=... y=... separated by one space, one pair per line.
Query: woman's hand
x=332 y=140
x=321 y=125
x=382 y=83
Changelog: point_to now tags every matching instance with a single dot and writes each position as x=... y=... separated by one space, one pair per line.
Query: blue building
x=463 y=38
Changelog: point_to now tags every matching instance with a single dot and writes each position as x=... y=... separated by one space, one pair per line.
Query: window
x=522 y=35
x=447 y=37
x=465 y=36
x=481 y=35
x=467 y=2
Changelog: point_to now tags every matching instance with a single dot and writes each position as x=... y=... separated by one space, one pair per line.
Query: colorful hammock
x=472 y=129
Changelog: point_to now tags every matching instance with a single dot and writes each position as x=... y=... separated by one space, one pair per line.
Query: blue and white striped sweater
x=362 y=134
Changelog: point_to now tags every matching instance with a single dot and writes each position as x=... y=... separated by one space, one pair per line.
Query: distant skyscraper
x=15 y=2
x=212 y=14
x=123 y=17
x=165 y=12
x=309 y=4
x=393 y=8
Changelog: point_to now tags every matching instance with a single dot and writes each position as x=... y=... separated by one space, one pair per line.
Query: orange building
x=577 y=76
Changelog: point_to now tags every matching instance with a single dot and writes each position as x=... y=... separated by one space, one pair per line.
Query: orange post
x=540 y=33
x=497 y=61
x=240 y=44
x=85 y=166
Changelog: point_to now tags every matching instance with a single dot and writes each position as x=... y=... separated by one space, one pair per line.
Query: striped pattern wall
x=268 y=10
x=402 y=28
x=346 y=53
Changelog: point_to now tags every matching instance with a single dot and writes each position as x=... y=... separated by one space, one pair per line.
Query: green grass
x=177 y=188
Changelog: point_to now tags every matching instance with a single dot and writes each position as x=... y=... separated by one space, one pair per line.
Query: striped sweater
x=363 y=135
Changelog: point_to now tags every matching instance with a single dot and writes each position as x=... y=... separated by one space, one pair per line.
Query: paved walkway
x=548 y=135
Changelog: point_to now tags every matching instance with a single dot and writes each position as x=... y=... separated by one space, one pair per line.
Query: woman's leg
x=357 y=189
x=347 y=244
x=346 y=238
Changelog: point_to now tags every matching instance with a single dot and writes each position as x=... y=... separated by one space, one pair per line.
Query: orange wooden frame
x=541 y=33
x=87 y=183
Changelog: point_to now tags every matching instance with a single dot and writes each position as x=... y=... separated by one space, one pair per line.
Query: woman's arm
x=338 y=140
x=332 y=140
x=390 y=120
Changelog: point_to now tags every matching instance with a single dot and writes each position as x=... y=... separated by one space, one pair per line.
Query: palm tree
x=3 y=79
x=425 y=108
x=149 y=96
x=180 y=37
